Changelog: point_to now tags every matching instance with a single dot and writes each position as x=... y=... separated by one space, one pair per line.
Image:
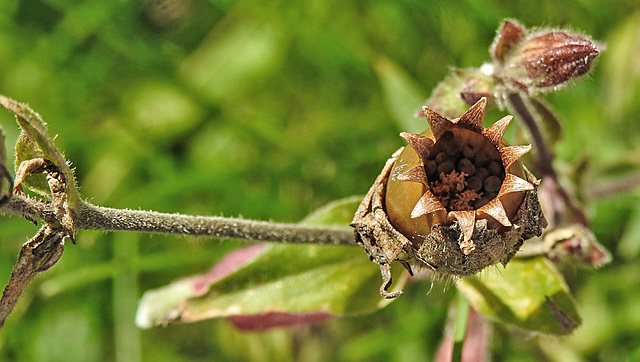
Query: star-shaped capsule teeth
x=465 y=170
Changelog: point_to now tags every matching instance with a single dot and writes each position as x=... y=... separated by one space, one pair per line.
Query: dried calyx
x=454 y=200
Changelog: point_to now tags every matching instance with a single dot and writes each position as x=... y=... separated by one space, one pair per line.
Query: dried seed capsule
x=449 y=223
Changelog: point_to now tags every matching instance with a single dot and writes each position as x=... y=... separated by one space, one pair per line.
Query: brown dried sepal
x=5 y=194
x=36 y=255
x=373 y=230
x=58 y=188
x=509 y=35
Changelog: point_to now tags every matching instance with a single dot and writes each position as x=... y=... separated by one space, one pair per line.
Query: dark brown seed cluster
x=464 y=170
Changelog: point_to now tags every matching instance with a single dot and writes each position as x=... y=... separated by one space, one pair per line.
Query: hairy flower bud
x=454 y=200
x=542 y=59
x=555 y=58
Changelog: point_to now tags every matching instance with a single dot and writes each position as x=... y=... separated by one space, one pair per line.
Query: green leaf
x=402 y=94
x=280 y=278
x=34 y=142
x=529 y=294
x=234 y=59
x=447 y=96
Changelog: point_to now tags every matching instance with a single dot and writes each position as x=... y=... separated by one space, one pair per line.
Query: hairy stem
x=615 y=187
x=560 y=205
x=90 y=217
x=544 y=161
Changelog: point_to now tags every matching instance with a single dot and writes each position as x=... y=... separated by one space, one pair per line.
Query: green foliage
x=269 y=110
x=517 y=295
x=282 y=278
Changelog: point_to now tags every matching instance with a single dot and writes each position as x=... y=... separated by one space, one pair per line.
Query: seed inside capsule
x=430 y=168
x=469 y=151
x=481 y=173
x=467 y=167
x=474 y=184
x=482 y=158
x=459 y=170
x=445 y=167
x=492 y=184
x=490 y=195
x=480 y=202
x=441 y=157
x=495 y=168
x=453 y=148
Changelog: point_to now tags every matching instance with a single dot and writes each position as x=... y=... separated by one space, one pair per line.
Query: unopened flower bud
x=550 y=59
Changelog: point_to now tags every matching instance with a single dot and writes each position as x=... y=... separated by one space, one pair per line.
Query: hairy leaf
x=528 y=293
x=33 y=143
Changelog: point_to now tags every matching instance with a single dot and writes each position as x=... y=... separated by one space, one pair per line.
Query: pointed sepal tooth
x=512 y=153
x=496 y=210
x=415 y=174
x=426 y=205
x=466 y=221
x=513 y=183
x=439 y=124
x=472 y=118
x=421 y=144
x=495 y=133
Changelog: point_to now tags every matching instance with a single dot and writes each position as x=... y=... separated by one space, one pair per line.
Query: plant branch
x=615 y=187
x=92 y=217
x=36 y=255
x=560 y=207
x=544 y=161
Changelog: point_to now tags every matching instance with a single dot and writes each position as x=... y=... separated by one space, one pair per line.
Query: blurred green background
x=268 y=110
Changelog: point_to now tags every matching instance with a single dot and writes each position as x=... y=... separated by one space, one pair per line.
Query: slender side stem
x=91 y=217
x=615 y=187
x=545 y=158
x=561 y=206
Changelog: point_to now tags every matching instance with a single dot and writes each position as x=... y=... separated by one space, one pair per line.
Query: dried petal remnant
x=509 y=35
x=453 y=200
